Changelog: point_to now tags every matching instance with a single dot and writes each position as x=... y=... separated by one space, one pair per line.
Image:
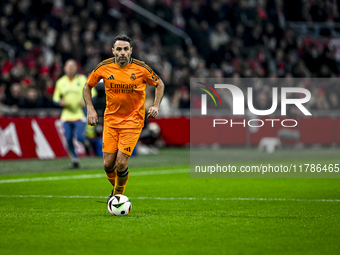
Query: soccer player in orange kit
x=125 y=82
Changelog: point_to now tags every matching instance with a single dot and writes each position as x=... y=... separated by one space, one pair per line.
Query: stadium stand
x=245 y=38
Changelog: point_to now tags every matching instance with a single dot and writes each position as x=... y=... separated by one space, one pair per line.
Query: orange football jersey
x=125 y=91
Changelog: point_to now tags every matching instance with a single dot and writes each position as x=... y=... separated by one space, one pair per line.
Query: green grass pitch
x=47 y=209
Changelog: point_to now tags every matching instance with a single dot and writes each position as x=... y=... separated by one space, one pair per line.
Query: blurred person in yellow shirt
x=68 y=94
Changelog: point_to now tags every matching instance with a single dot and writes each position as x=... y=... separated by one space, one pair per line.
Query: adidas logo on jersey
x=111 y=77
x=127 y=149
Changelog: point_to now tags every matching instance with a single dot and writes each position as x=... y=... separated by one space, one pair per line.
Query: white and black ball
x=119 y=205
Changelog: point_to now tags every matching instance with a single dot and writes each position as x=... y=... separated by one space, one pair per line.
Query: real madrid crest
x=133 y=77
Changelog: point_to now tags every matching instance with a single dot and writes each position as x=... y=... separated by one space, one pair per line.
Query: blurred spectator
x=164 y=69
x=48 y=34
x=14 y=98
x=247 y=13
x=193 y=57
x=105 y=34
x=19 y=71
x=47 y=94
x=178 y=19
x=65 y=46
x=181 y=98
x=31 y=99
x=219 y=36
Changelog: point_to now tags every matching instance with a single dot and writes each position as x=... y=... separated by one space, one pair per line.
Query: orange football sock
x=122 y=179
x=112 y=176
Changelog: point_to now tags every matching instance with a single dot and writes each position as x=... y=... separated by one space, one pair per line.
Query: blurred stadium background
x=179 y=40
x=47 y=208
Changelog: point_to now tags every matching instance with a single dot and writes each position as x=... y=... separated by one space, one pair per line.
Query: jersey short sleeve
x=95 y=76
x=151 y=78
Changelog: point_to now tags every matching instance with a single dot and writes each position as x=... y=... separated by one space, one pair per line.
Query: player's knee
x=108 y=165
x=121 y=165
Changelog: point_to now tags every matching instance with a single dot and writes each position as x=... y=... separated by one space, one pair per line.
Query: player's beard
x=123 y=60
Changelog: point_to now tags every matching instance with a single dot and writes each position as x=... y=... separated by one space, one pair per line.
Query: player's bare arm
x=159 y=92
x=92 y=117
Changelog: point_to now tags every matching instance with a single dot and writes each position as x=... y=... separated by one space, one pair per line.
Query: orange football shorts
x=123 y=139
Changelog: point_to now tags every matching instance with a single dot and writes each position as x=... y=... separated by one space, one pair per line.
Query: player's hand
x=153 y=112
x=92 y=117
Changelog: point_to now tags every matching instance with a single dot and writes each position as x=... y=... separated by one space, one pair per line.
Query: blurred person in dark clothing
x=31 y=100
x=14 y=98
x=181 y=98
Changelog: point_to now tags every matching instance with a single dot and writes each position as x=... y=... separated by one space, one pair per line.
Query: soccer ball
x=119 y=205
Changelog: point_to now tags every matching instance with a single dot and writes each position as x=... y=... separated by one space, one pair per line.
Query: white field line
x=183 y=198
x=92 y=176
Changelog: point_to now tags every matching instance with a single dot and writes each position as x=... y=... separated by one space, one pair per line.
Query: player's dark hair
x=121 y=38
